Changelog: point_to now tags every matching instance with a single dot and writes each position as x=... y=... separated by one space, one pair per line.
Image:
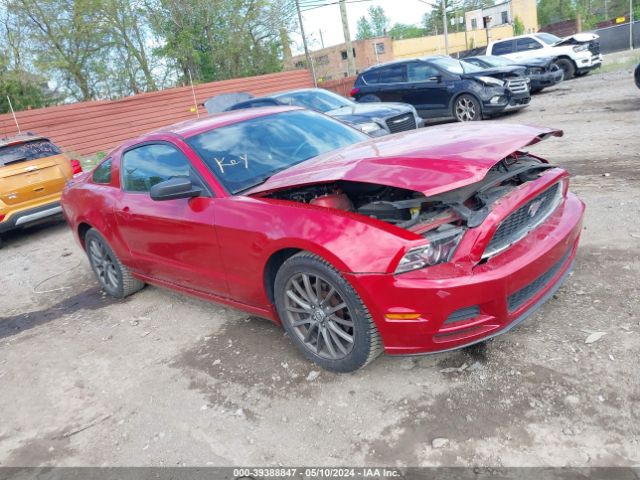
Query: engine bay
x=411 y=210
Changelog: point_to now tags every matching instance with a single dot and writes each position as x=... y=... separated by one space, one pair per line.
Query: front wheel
x=567 y=66
x=114 y=277
x=324 y=316
x=467 y=109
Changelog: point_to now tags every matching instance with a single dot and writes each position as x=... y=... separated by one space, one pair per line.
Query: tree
x=378 y=20
x=518 y=26
x=25 y=90
x=400 y=31
x=364 y=30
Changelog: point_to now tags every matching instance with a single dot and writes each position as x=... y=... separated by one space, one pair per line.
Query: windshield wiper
x=14 y=160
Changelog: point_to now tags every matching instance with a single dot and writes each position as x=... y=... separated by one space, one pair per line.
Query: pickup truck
x=576 y=55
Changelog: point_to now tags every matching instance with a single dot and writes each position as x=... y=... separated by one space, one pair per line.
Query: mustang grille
x=519 y=298
x=517 y=86
x=524 y=219
x=400 y=123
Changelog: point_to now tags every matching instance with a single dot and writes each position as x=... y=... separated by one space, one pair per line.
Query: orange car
x=33 y=172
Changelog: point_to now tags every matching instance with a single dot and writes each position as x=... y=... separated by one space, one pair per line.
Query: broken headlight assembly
x=442 y=244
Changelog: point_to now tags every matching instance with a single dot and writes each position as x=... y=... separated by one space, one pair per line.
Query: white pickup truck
x=577 y=54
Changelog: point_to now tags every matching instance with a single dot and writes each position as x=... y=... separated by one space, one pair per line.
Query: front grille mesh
x=517 y=86
x=519 y=298
x=401 y=123
x=524 y=219
x=463 y=314
x=594 y=47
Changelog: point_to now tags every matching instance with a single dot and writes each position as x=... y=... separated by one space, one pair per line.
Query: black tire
x=536 y=90
x=317 y=333
x=584 y=73
x=114 y=277
x=369 y=98
x=466 y=108
x=567 y=66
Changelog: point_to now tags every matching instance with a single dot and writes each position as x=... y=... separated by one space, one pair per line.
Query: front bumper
x=30 y=216
x=547 y=79
x=460 y=305
x=588 y=62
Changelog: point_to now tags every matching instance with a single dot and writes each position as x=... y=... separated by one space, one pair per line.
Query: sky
x=328 y=20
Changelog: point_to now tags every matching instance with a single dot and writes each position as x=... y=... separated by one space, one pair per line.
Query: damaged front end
x=442 y=219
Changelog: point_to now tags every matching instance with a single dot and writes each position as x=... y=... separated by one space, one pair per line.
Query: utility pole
x=351 y=64
x=306 y=48
x=321 y=39
x=444 y=23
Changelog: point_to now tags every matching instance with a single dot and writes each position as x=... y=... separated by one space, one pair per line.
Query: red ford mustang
x=412 y=243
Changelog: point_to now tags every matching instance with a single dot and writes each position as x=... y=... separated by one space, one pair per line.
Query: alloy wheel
x=103 y=264
x=465 y=109
x=319 y=316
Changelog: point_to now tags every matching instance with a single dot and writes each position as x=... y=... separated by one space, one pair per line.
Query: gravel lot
x=164 y=379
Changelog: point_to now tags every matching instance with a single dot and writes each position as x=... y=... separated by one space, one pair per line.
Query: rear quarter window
x=102 y=173
x=31 y=150
x=393 y=74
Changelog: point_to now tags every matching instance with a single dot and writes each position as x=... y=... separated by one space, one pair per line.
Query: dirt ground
x=164 y=379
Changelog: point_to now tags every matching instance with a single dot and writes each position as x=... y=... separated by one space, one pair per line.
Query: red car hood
x=431 y=160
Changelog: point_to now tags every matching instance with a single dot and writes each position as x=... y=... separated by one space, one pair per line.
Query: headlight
x=368 y=127
x=491 y=81
x=441 y=246
x=581 y=48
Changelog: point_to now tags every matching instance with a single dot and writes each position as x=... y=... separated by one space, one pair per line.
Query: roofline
x=21 y=138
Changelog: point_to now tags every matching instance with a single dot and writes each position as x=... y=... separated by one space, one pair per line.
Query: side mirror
x=435 y=78
x=173 y=189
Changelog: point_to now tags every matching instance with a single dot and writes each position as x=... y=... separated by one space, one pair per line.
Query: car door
x=391 y=83
x=526 y=47
x=171 y=240
x=426 y=89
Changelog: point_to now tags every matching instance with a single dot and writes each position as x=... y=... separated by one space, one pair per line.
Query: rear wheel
x=369 y=98
x=114 y=277
x=466 y=108
x=567 y=66
x=324 y=316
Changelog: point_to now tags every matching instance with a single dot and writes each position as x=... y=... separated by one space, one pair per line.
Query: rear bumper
x=480 y=302
x=30 y=216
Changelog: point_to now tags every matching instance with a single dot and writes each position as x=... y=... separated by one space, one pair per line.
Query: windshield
x=247 y=153
x=320 y=100
x=548 y=38
x=452 y=65
x=27 y=151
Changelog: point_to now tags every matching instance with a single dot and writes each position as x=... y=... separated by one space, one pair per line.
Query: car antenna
x=14 y=114
x=193 y=92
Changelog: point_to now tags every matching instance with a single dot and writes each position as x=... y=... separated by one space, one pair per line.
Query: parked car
x=374 y=120
x=33 y=172
x=637 y=75
x=441 y=86
x=541 y=72
x=410 y=243
x=576 y=54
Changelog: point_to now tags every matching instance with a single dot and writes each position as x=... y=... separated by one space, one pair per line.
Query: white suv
x=577 y=54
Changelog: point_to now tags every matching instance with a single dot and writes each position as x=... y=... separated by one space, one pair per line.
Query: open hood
x=430 y=161
x=577 y=39
x=498 y=72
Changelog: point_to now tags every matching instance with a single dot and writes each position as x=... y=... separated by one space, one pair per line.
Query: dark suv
x=445 y=87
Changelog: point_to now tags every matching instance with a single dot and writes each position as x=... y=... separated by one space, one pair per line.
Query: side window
x=371 y=77
x=145 y=166
x=420 y=72
x=502 y=48
x=102 y=173
x=524 y=44
x=393 y=74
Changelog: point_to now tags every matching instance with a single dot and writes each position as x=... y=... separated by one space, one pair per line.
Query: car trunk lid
x=430 y=161
x=22 y=181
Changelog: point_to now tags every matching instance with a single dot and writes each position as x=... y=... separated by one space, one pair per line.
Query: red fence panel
x=90 y=127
